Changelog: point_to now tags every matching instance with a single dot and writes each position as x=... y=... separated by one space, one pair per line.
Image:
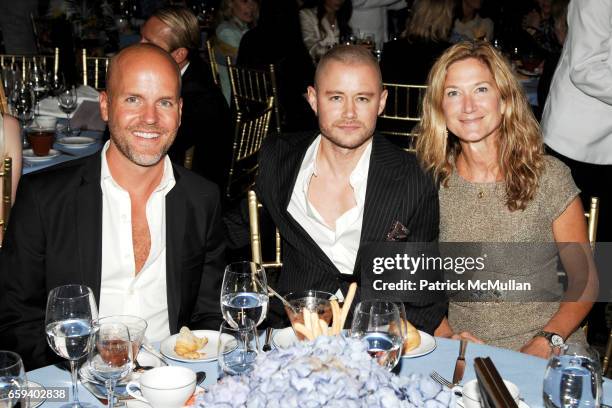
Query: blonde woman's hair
x=520 y=147
x=184 y=29
x=431 y=20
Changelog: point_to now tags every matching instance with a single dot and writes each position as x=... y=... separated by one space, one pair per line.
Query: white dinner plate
x=428 y=344
x=28 y=155
x=284 y=338
x=521 y=404
x=39 y=402
x=209 y=351
x=76 y=142
x=144 y=359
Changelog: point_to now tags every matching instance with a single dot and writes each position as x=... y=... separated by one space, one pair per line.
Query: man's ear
x=104 y=99
x=383 y=101
x=180 y=55
x=312 y=99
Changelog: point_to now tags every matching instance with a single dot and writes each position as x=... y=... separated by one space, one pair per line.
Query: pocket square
x=398 y=232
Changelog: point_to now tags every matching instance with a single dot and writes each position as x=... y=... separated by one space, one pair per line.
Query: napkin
x=49 y=107
x=87 y=117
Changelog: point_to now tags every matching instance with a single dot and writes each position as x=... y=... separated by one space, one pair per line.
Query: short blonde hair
x=184 y=29
x=431 y=20
x=520 y=148
x=349 y=54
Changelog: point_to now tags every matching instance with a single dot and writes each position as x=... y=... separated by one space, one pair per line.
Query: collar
x=184 y=69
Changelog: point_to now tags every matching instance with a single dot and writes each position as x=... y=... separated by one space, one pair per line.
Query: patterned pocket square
x=398 y=232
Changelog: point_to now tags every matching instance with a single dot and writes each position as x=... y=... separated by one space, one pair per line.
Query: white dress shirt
x=577 y=118
x=122 y=291
x=340 y=245
x=318 y=38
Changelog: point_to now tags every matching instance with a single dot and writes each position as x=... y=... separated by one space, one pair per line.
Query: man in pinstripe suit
x=330 y=193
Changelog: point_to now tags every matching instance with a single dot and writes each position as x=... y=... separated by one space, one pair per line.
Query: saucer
x=28 y=154
x=76 y=142
x=208 y=352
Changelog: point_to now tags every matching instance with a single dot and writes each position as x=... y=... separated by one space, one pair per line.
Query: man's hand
x=539 y=347
x=467 y=336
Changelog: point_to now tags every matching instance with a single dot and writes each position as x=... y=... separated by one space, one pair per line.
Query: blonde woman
x=482 y=143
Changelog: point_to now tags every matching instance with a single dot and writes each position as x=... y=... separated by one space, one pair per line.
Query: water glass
x=67 y=102
x=71 y=310
x=237 y=348
x=12 y=378
x=136 y=326
x=111 y=357
x=378 y=323
x=573 y=378
x=244 y=294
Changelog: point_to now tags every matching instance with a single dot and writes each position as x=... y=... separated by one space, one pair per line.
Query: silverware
x=140 y=368
x=266 y=346
x=460 y=363
x=200 y=376
x=276 y=294
x=156 y=353
x=434 y=375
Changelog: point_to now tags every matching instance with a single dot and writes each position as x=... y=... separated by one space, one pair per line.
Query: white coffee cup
x=471 y=393
x=164 y=387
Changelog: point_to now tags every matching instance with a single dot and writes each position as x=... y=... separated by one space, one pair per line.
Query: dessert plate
x=28 y=155
x=428 y=344
x=76 y=142
x=144 y=359
x=208 y=352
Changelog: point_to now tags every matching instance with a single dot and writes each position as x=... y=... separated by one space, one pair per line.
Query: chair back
x=93 y=70
x=212 y=60
x=254 y=225
x=402 y=113
x=250 y=132
x=252 y=88
x=3 y=100
x=188 y=163
x=5 y=204
x=592 y=216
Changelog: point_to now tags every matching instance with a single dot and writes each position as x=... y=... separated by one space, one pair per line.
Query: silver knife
x=460 y=364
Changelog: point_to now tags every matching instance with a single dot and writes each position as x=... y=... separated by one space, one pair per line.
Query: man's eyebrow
x=333 y=92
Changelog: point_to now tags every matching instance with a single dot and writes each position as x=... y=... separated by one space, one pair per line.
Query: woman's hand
x=467 y=336
x=539 y=347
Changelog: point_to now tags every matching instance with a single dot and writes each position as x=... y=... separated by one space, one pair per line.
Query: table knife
x=460 y=364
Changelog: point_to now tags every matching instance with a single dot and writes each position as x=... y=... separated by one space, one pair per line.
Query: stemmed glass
x=237 y=348
x=71 y=310
x=67 y=102
x=573 y=378
x=378 y=323
x=244 y=294
x=55 y=83
x=22 y=101
x=12 y=378
x=111 y=357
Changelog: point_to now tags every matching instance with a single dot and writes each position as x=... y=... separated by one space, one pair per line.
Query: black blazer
x=54 y=238
x=397 y=190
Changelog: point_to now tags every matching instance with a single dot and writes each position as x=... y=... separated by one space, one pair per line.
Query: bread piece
x=412 y=337
x=187 y=344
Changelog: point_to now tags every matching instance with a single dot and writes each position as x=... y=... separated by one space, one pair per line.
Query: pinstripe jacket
x=397 y=190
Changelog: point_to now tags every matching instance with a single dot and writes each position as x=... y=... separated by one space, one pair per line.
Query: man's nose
x=349 y=109
x=149 y=113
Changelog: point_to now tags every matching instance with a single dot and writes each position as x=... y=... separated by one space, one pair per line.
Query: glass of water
x=244 y=294
x=573 y=378
x=71 y=310
x=12 y=378
x=237 y=348
x=378 y=323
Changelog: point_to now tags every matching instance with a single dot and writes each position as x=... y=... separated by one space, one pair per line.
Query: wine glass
x=71 y=310
x=237 y=348
x=378 y=323
x=244 y=294
x=111 y=357
x=22 y=101
x=12 y=378
x=573 y=378
x=67 y=102
x=136 y=327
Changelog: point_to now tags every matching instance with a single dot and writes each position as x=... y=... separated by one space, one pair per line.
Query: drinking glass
x=12 y=378
x=244 y=294
x=237 y=348
x=111 y=357
x=55 y=83
x=378 y=323
x=136 y=327
x=71 y=310
x=67 y=102
x=573 y=378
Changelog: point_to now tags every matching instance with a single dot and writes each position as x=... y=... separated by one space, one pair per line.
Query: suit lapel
x=176 y=207
x=89 y=226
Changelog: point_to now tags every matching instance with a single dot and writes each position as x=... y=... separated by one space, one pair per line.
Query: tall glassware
x=573 y=378
x=12 y=378
x=71 y=310
x=111 y=357
x=237 y=348
x=67 y=102
x=244 y=294
x=378 y=323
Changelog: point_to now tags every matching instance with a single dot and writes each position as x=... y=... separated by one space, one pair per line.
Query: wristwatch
x=555 y=340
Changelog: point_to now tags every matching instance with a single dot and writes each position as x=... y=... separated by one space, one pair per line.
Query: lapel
x=176 y=208
x=88 y=226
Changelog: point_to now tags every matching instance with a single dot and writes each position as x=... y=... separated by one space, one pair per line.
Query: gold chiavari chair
x=5 y=205
x=250 y=131
x=592 y=216
x=24 y=63
x=94 y=70
x=254 y=225
x=214 y=68
x=3 y=100
x=402 y=113
x=254 y=87
x=188 y=162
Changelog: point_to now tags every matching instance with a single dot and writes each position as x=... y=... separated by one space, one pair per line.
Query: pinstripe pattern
x=397 y=189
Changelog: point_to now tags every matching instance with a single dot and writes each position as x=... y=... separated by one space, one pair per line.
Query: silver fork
x=434 y=375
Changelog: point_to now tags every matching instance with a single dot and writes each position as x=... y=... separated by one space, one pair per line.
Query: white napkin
x=49 y=106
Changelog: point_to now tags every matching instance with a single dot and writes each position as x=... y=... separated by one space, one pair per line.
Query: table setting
x=313 y=362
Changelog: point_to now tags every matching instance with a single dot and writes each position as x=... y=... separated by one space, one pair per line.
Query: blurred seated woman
x=409 y=59
x=235 y=18
x=480 y=140
x=469 y=25
x=10 y=146
x=324 y=25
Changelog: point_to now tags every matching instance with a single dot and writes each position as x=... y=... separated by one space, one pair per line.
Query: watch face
x=556 y=340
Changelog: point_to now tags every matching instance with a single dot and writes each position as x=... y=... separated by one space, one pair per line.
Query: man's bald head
x=134 y=56
x=348 y=55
